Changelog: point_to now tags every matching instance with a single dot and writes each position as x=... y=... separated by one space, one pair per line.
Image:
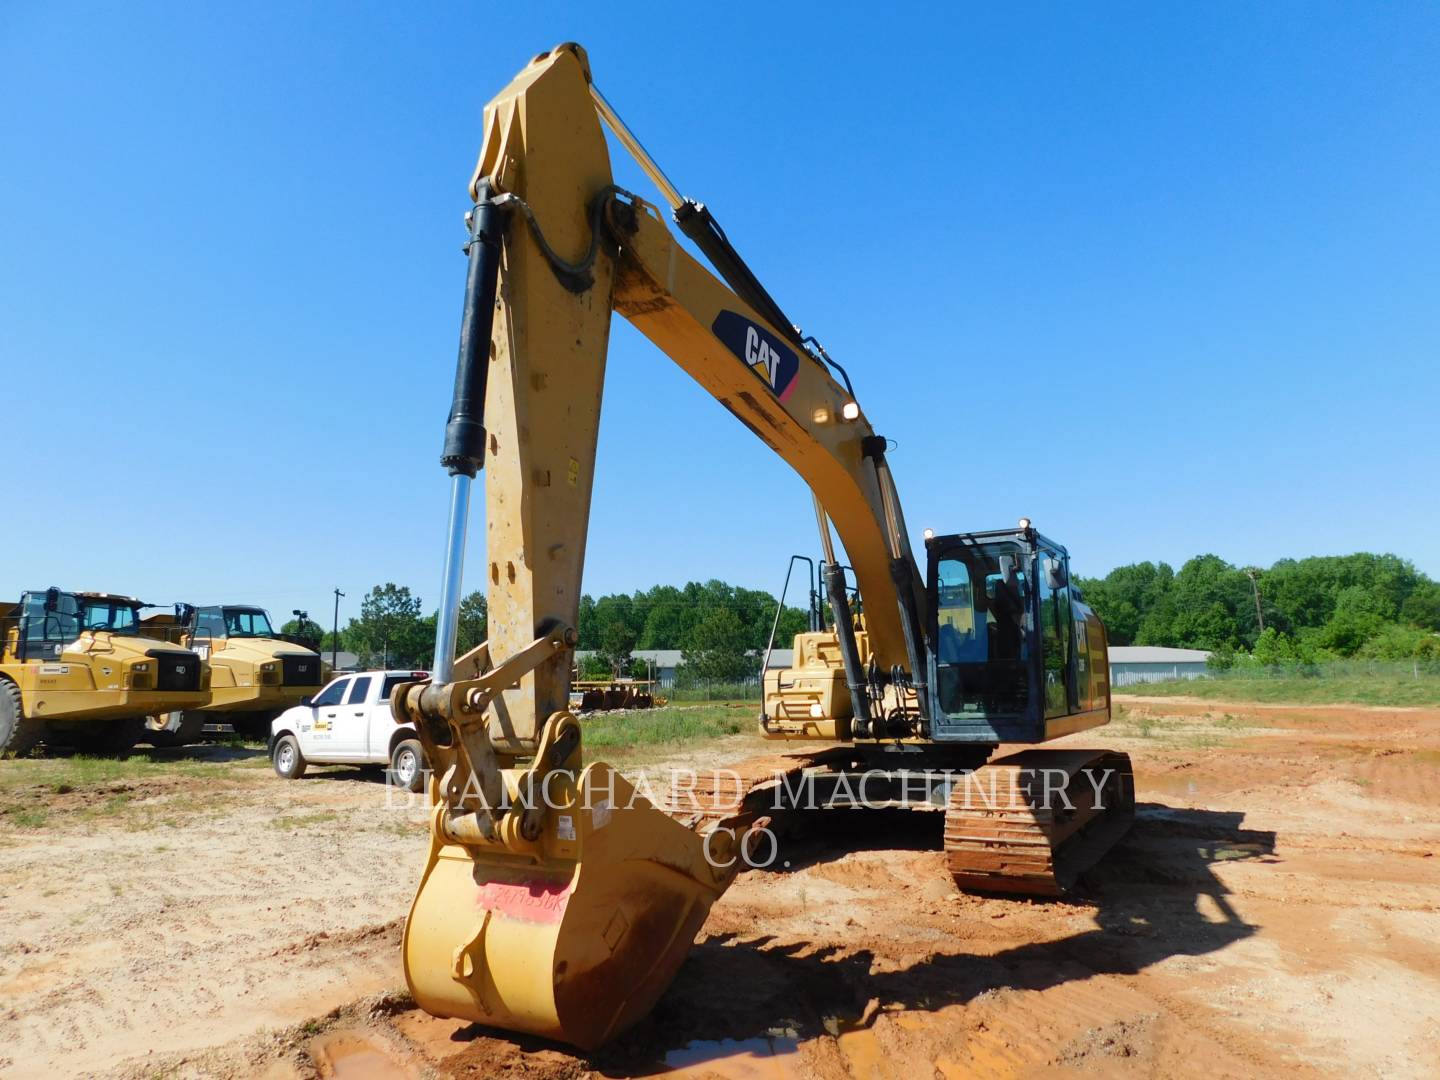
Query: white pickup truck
x=349 y=723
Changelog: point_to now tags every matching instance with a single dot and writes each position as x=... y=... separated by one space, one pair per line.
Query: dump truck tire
x=189 y=731
x=18 y=733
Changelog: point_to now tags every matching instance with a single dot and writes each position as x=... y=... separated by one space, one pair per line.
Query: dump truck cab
x=256 y=673
x=78 y=668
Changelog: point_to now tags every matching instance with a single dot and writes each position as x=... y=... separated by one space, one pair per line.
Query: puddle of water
x=352 y=1055
x=1171 y=785
x=736 y=1059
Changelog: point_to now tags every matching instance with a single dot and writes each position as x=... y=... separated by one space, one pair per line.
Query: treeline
x=719 y=628
x=1298 y=610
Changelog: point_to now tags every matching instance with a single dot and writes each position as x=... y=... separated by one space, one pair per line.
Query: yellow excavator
x=556 y=898
x=78 y=668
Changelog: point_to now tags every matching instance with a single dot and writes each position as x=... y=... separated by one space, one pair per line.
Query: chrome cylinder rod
x=632 y=144
x=448 y=623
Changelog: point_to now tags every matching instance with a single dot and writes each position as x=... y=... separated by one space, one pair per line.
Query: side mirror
x=1055 y=574
x=52 y=599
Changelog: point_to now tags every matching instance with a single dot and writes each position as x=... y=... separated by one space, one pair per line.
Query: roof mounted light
x=1024 y=524
x=929 y=534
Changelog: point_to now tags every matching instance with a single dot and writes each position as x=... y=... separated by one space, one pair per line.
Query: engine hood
x=255 y=650
x=102 y=645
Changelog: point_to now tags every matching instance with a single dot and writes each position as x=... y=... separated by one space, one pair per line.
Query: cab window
x=1056 y=628
x=982 y=595
x=104 y=615
x=247 y=622
x=359 y=690
x=210 y=622
x=333 y=693
x=62 y=624
x=392 y=681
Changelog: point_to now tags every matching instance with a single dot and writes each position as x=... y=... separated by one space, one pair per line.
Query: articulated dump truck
x=558 y=898
x=256 y=673
x=78 y=669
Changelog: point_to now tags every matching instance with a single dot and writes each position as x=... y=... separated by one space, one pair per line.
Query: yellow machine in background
x=77 y=670
x=556 y=900
x=255 y=672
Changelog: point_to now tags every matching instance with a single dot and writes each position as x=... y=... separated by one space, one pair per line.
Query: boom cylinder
x=464 y=450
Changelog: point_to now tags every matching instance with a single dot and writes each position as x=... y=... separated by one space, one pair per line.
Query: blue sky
x=1161 y=277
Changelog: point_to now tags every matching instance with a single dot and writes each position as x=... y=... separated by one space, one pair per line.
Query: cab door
x=317 y=738
x=352 y=725
x=1057 y=633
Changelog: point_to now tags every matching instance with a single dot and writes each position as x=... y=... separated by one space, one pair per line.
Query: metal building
x=1131 y=664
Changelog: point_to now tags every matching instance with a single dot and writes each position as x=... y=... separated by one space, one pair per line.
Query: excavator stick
x=1034 y=821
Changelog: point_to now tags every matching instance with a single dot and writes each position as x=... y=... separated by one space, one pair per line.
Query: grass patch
x=1143 y=724
x=26 y=817
x=305 y=821
x=673 y=725
x=53 y=790
x=76 y=773
x=1206 y=740
x=1382 y=687
x=1177 y=730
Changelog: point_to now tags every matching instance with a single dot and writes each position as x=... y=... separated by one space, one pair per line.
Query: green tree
x=585 y=625
x=665 y=622
x=1125 y=596
x=390 y=629
x=473 y=625
x=617 y=641
x=1358 y=616
x=1422 y=607
x=717 y=649
x=1397 y=642
x=593 y=666
x=308 y=629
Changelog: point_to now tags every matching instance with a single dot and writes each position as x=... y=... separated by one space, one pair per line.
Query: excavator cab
x=1017 y=655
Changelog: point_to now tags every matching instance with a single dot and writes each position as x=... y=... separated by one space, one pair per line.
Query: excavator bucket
x=574 y=939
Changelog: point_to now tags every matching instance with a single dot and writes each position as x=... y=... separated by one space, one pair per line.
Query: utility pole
x=335 y=634
x=1250 y=572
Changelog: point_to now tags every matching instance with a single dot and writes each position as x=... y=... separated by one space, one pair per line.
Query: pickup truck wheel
x=287 y=759
x=407 y=766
